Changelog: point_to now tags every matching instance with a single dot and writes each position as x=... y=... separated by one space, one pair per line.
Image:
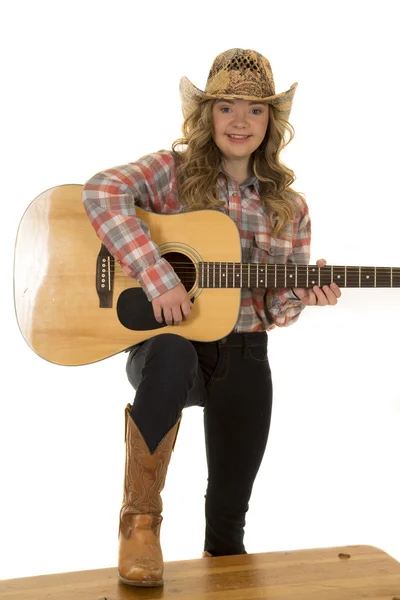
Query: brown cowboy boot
x=140 y=559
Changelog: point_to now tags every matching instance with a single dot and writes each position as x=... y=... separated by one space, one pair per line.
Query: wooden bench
x=345 y=573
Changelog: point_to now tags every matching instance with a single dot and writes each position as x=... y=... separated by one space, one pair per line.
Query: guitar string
x=352 y=276
x=278 y=265
x=269 y=271
x=269 y=275
x=280 y=282
x=299 y=265
x=190 y=279
x=351 y=270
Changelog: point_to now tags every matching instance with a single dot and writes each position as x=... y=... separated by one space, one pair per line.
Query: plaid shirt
x=110 y=197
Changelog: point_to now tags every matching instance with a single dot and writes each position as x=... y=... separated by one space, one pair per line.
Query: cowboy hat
x=242 y=74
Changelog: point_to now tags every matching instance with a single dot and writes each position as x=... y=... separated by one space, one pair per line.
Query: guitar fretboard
x=257 y=275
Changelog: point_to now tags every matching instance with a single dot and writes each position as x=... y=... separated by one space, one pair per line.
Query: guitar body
x=56 y=298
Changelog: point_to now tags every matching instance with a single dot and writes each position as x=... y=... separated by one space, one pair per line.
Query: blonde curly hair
x=199 y=163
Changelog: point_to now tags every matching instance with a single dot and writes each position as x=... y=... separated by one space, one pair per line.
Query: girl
x=233 y=134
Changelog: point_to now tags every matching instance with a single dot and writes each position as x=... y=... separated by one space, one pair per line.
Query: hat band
x=246 y=89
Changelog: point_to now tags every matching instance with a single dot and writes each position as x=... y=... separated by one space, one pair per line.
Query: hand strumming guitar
x=174 y=304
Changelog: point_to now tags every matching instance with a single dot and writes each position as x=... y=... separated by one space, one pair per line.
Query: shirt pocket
x=270 y=250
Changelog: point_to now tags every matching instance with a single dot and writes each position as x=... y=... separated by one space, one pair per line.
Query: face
x=239 y=127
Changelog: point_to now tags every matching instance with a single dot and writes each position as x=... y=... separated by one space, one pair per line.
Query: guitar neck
x=258 y=275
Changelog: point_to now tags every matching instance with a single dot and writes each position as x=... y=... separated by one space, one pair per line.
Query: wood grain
x=55 y=295
x=316 y=574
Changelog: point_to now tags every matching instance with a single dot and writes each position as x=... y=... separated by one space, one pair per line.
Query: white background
x=90 y=85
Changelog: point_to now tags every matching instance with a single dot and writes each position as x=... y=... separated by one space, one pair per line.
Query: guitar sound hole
x=183 y=267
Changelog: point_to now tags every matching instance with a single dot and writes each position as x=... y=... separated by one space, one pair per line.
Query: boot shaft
x=140 y=560
x=145 y=472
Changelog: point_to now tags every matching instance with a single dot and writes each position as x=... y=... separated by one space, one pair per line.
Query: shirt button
x=224 y=340
x=234 y=194
x=272 y=250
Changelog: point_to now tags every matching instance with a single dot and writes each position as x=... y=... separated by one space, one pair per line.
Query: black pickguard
x=136 y=312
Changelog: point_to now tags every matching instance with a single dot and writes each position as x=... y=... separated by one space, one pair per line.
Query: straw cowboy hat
x=239 y=73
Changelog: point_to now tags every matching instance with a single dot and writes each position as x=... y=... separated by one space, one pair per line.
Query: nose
x=240 y=119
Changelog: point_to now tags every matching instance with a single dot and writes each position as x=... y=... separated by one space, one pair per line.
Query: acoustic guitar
x=75 y=305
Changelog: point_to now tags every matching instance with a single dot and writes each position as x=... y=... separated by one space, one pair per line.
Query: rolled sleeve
x=110 y=197
x=281 y=303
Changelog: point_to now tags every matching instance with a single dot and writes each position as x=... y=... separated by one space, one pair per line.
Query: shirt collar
x=252 y=180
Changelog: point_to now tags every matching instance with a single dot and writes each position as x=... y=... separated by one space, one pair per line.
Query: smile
x=238 y=138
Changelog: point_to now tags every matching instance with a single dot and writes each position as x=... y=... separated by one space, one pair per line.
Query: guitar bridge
x=105 y=277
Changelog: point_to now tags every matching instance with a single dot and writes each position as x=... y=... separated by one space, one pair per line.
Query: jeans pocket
x=259 y=353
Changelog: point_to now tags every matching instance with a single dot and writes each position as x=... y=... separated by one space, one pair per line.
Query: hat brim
x=190 y=95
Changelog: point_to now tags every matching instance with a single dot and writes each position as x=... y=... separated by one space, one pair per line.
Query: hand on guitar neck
x=175 y=305
x=317 y=296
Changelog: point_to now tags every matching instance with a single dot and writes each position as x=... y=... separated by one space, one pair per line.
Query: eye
x=225 y=108
x=257 y=109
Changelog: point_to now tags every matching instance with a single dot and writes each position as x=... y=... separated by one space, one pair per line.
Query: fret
x=339 y=275
x=268 y=275
x=325 y=276
x=396 y=277
x=367 y=277
x=291 y=275
x=302 y=275
x=264 y=281
x=353 y=277
x=281 y=275
x=231 y=275
x=313 y=276
x=383 y=277
x=238 y=273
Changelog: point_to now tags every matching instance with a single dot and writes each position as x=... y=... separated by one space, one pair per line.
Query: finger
x=321 y=262
x=157 y=313
x=336 y=290
x=309 y=298
x=168 y=316
x=331 y=296
x=321 y=298
x=177 y=315
x=186 y=310
x=313 y=300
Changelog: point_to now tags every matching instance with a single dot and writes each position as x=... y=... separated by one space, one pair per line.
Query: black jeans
x=231 y=380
